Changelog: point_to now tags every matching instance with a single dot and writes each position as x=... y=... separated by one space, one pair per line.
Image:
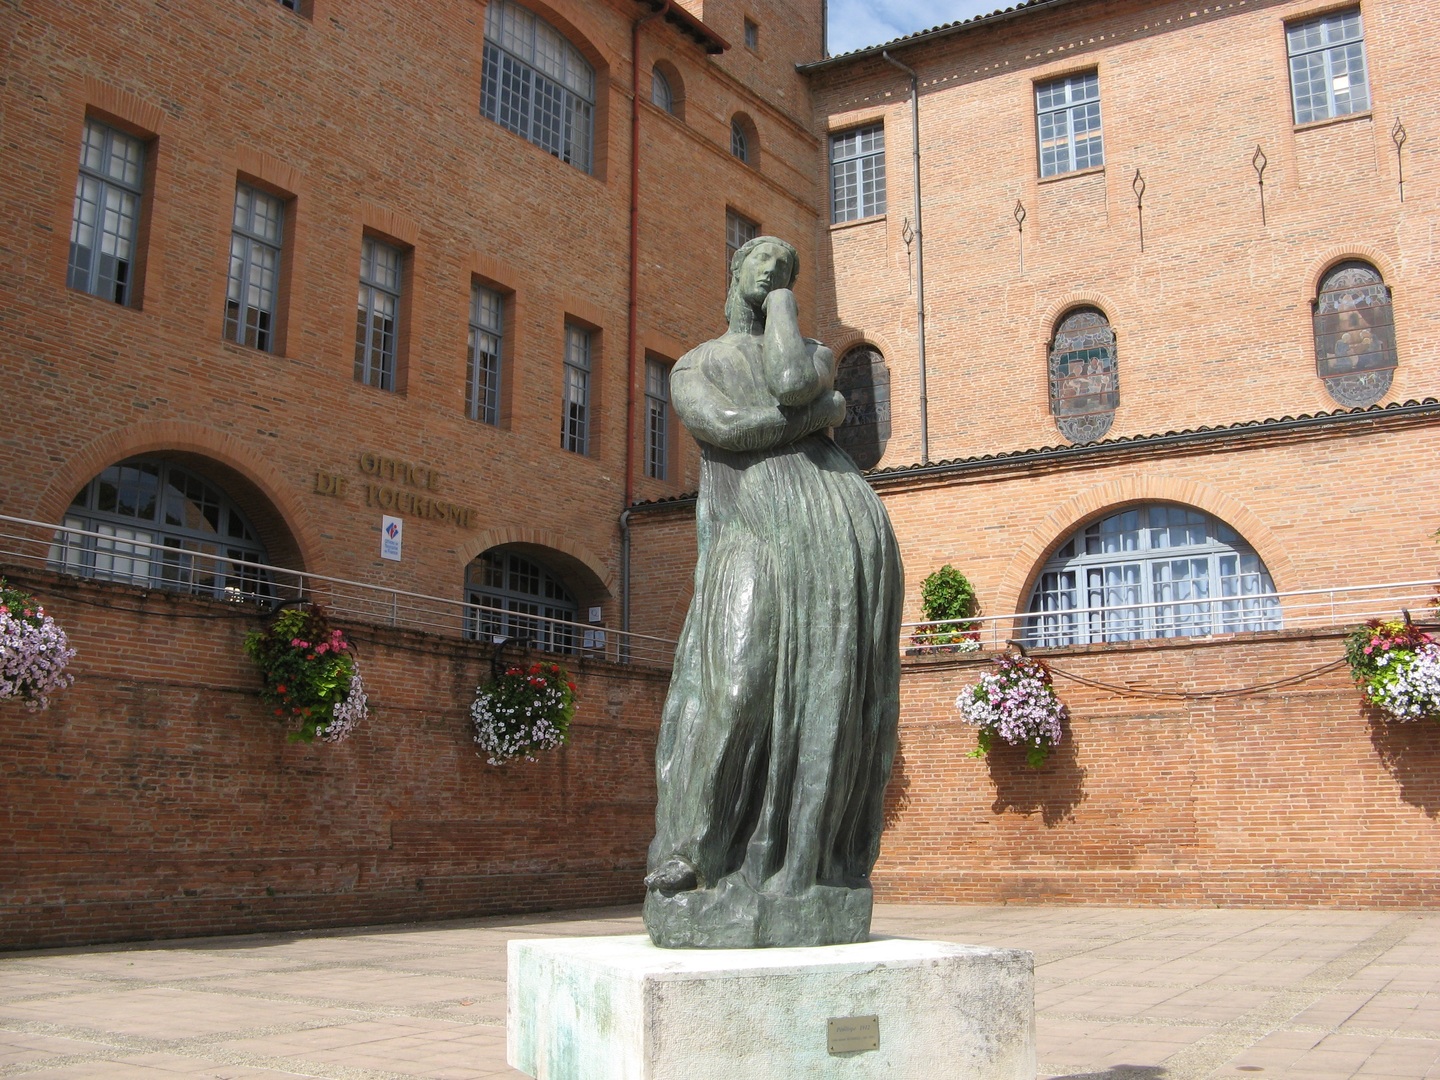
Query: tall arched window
x=536 y=84
x=161 y=526
x=1355 y=334
x=517 y=597
x=661 y=93
x=864 y=380
x=743 y=141
x=1151 y=571
x=1084 y=375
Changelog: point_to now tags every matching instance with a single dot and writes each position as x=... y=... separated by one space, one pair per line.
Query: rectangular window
x=250 y=297
x=738 y=232
x=105 y=227
x=575 y=429
x=752 y=35
x=857 y=173
x=657 y=418
x=482 y=374
x=1067 y=117
x=1327 y=66
x=377 y=315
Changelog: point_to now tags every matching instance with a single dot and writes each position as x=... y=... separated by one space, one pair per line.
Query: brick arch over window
x=672 y=83
x=1103 y=499
x=584 y=572
x=266 y=496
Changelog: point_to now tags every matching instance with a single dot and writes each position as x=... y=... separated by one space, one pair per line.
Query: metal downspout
x=919 y=254
x=633 y=312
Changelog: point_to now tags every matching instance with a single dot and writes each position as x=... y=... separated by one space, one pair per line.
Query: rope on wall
x=1199 y=695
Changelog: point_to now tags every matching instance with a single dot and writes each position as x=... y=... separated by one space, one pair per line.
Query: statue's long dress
x=779 y=731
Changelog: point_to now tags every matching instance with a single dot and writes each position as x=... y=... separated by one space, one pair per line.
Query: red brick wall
x=158 y=798
x=1295 y=797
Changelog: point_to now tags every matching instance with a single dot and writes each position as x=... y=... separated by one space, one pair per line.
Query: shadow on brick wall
x=1410 y=752
x=897 y=793
x=1053 y=790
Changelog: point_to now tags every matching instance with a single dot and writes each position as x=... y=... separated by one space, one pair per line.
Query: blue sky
x=855 y=24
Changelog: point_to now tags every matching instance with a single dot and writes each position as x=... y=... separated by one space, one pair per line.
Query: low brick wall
x=1298 y=796
x=158 y=798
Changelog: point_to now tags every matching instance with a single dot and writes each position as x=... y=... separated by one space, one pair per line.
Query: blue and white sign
x=392 y=536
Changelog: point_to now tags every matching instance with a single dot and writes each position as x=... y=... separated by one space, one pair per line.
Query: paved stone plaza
x=1142 y=993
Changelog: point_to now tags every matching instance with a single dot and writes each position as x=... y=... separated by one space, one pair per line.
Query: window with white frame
x=482 y=372
x=739 y=231
x=104 y=228
x=575 y=430
x=255 y=242
x=377 y=315
x=158 y=525
x=657 y=418
x=1153 y=571
x=536 y=84
x=857 y=173
x=1327 y=66
x=1067 y=118
x=512 y=596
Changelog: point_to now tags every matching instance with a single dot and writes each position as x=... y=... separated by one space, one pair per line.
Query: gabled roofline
x=925 y=37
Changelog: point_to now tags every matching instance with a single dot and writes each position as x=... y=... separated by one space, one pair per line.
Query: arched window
x=1355 y=334
x=660 y=91
x=864 y=380
x=1084 y=375
x=742 y=138
x=161 y=526
x=517 y=597
x=536 y=84
x=1151 y=571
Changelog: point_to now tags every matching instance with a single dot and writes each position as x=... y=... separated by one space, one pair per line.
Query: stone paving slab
x=1121 y=994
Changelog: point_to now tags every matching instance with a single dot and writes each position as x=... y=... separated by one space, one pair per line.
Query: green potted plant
x=945 y=597
x=310 y=675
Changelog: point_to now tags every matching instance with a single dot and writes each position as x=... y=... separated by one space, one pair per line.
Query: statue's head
x=737 y=264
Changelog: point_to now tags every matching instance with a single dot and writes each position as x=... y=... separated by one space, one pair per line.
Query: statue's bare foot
x=673 y=876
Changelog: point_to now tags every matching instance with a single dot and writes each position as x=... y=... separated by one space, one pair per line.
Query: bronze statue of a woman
x=779 y=730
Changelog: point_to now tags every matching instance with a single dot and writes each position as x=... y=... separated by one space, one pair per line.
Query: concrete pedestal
x=618 y=1008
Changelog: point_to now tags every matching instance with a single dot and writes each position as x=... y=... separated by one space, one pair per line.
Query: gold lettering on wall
x=387 y=487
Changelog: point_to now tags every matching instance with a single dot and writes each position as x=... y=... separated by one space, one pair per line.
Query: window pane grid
x=377 y=312
x=482 y=381
x=1179 y=573
x=505 y=588
x=254 y=268
x=857 y=173
x=657 y=418
x=198 y=528
x=1067 y=117
x=106 y=214
x=1327 y=66
x=575 y=424
x=536 y=84
x=739 y=231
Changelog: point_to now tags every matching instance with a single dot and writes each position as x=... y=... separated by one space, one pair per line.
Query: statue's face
x=765 y=269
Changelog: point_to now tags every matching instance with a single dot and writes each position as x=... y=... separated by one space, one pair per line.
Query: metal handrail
x=1335 y=606
x=265 y=584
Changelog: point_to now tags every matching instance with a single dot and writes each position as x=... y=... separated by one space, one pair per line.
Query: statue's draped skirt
x=779 y=730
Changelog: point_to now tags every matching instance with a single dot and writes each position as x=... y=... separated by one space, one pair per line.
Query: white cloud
x=855 y=24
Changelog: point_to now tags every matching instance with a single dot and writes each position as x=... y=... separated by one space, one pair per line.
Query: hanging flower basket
x=34 y=651
x=310 y=675
x=1014 y=703
x=525 y=710
x=1396 y=665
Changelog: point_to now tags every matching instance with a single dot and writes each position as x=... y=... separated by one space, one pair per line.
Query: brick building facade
x=1131 y=247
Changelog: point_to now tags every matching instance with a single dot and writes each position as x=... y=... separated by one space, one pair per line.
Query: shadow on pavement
x=1121 y=1072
